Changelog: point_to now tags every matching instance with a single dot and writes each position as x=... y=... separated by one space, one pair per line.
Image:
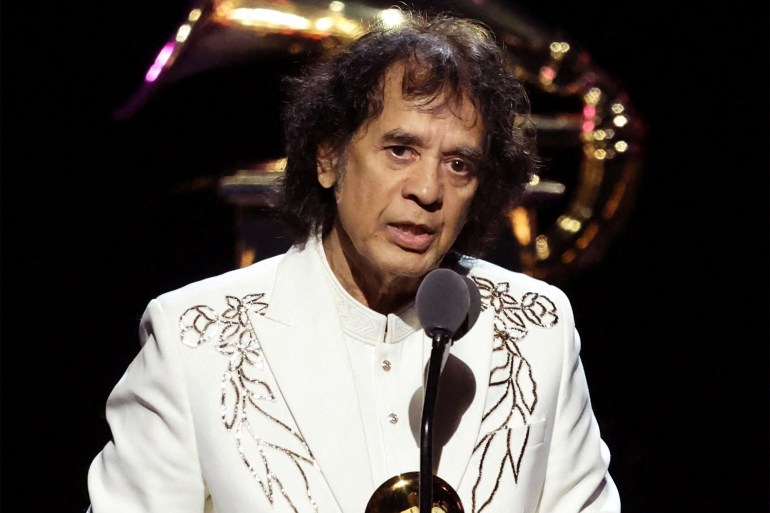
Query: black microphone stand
x=441 y=343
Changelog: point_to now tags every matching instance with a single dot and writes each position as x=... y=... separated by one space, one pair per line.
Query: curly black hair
x=442 y=55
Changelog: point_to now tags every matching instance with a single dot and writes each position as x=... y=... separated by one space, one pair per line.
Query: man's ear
x=326 y=166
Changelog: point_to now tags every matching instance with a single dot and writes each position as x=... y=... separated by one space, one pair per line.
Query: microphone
x=441 y=304
x=445 y=301
x=442 y=301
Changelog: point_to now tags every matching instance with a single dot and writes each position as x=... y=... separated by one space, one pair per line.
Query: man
x=296 y=384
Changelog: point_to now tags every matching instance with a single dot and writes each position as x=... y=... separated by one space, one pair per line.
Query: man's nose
x=423 y=184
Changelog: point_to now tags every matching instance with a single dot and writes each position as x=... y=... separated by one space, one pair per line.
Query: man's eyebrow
x=401 y=137
x=471 y=154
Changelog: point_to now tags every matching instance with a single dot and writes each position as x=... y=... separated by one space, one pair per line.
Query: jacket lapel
x=305 y=349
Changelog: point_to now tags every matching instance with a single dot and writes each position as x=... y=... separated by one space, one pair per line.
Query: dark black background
x=674 y=320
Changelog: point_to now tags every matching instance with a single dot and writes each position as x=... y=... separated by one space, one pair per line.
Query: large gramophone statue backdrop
x=588 y=132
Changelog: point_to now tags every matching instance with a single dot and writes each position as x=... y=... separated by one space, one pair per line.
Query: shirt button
x=392 y=418
x=385 y=365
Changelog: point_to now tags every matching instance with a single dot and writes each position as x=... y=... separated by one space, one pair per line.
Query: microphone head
x=442 y=302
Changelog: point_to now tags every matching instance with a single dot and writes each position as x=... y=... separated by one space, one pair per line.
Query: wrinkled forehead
x=409 y=83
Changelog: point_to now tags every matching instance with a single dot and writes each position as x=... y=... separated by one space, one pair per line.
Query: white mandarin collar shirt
x=388 y=355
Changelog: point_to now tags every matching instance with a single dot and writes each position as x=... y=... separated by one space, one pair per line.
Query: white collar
x=361 y=322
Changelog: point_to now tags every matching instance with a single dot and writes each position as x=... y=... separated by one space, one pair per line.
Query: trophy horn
x=401 y=494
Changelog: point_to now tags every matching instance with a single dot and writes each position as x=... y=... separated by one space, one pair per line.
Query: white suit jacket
x=241 y=401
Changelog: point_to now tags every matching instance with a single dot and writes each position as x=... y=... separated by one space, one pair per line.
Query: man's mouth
x=412 y=237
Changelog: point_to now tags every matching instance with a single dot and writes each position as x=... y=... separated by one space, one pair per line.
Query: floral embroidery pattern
x=245 y=398
x=511 y=385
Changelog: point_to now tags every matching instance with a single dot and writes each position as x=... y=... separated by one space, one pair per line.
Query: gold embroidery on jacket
x=510 y=381
x=244 y=394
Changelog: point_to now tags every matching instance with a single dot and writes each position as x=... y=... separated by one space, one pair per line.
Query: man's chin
x=412 y=264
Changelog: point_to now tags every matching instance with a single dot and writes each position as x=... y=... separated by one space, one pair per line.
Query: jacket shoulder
x=493 y=277
x=484 y=269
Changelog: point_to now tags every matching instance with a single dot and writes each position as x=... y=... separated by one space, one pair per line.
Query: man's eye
x=400 y=151
x=459 y=166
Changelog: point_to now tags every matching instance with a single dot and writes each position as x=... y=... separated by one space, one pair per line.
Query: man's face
x=403 y=188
